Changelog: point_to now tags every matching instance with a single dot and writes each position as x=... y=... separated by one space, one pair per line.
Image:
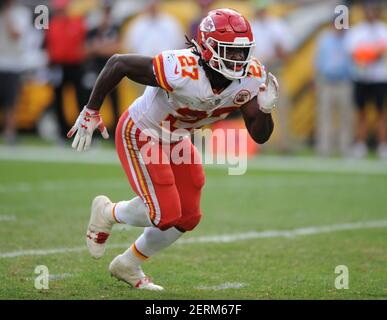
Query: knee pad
x=170 y=218
x=188 y=223
x=167 y=223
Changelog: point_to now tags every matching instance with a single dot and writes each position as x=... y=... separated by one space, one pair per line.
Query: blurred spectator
x=273 y=41
x=334 y=93
x=204 y=6
x=65 y=45
x=15 y=22
x=367 y=44
x=101 y=43
x=154 y=32
x=273 y=44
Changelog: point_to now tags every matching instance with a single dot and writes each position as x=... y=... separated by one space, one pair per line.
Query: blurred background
x=333 y=81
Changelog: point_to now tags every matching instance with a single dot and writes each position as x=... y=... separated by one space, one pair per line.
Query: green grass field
x=46 y=206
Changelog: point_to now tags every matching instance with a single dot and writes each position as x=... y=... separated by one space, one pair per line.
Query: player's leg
x=189 y=180
x=324 y=117
x=157 y=203
x=127 y=266
x=361 y=96
x=346 y=117
x=153 y=180
x=9 y=92
x=380 y=102
x=104 y=213
x=154 y=183
x=104 y=216
x=60 y=79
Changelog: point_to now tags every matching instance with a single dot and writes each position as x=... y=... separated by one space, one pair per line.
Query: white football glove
x=268 y=94
x=88 y=120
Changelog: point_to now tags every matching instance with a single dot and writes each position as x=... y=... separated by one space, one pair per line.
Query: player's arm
x=260 y=125
x=257 y=112
x=135 y=67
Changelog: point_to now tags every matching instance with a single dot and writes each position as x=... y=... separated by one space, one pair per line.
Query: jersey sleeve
x=165 y=66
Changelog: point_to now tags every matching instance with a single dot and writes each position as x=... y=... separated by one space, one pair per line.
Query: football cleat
x=100 y=226
x=131 y=274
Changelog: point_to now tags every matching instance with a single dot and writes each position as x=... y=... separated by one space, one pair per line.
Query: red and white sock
x=133 y=212
x=149 y=243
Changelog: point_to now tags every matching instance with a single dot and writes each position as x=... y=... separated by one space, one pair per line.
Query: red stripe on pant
x=135 y=156
x=129 y=158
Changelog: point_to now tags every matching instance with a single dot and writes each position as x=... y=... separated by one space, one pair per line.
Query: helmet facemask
x=229 y=68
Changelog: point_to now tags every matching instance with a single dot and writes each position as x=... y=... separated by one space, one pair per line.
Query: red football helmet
x=220 y=33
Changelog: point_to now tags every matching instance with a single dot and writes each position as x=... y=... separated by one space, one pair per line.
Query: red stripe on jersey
x=158 y=64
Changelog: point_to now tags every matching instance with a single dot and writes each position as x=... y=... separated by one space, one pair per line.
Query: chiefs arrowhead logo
x=242 y=97
x=207 y=25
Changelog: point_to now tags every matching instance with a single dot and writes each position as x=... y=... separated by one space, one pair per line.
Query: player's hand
x=88 y=120
x=268 y=94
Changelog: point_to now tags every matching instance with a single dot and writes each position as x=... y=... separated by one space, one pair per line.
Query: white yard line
x=272 y=181
x=319 y=165
x=223 y=286
x=59 y=185
x=6 y=217
x=54 y=277
x=226 y=238
x=263 y=162
x=58 y=154
x=42 y=252
x=61 y=276
x=286 y=233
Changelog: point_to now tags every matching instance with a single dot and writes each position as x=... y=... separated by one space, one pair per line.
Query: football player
x=186 y=89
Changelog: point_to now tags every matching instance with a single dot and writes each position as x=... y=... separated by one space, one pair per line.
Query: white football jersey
x=185 y=99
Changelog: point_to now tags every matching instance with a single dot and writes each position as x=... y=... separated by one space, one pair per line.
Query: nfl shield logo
x=214 y=102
